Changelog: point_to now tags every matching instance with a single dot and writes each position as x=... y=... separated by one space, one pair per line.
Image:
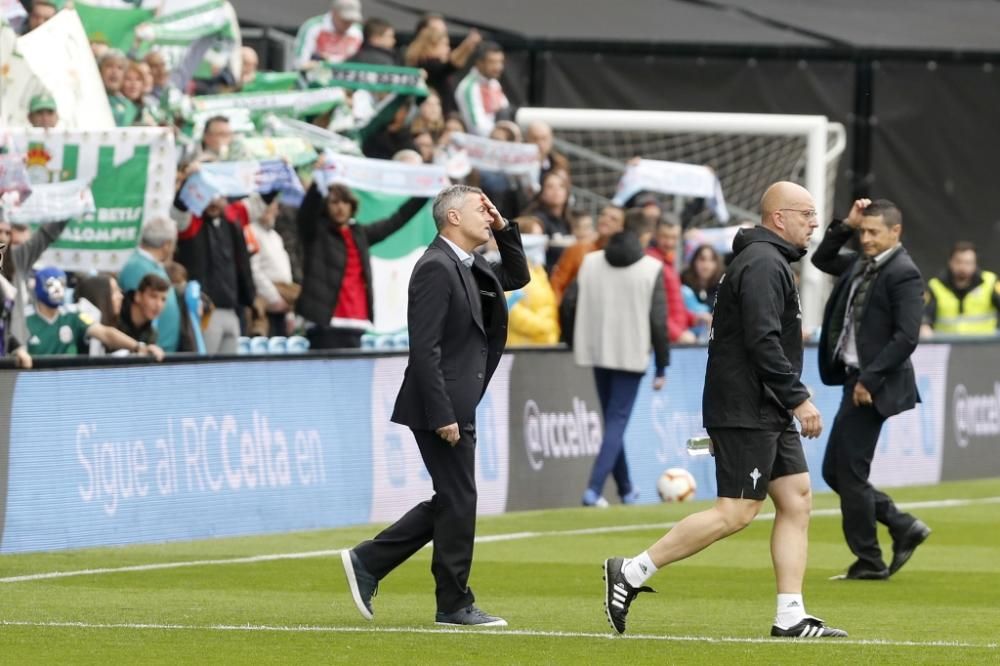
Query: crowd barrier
x=96 y=456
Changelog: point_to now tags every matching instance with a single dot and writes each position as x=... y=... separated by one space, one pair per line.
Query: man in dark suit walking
x=870 y=329
x=457 y=317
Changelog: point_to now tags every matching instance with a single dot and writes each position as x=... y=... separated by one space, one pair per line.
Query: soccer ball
x=676 y=485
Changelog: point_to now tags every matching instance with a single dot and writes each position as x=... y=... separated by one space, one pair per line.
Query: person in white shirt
x=479 y=95
x=271 y=265
x=331 y=37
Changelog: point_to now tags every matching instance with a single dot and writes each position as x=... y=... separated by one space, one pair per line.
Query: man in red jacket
x=679 y=319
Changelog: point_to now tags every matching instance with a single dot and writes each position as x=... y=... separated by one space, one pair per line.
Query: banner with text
x=210 y=463
x=366 y=76
x=557 y=426
x=516 y=159
x=131 y=175
x=972 y=433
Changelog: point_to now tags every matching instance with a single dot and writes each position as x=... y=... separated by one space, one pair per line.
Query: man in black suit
x=870 y=329
x=457 y=317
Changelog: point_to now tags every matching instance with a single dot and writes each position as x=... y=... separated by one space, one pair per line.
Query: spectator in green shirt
x=56 y=329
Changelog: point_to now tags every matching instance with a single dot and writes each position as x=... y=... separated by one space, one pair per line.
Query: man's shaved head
x=784 y=194
x=788 y=210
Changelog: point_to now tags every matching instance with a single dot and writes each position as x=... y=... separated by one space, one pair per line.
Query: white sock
x=791 y=610
x=639 y=569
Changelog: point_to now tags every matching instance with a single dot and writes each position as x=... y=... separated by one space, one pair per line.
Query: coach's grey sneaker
x=809 y=627
x=618 y=594
x=470 y=616
x=362 y=584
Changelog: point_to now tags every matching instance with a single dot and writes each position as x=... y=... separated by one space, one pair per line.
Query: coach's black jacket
x=458 y=330
x=889 y=326
x=755 y=350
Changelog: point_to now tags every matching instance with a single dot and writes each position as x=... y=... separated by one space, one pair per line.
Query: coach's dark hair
x=891 y=215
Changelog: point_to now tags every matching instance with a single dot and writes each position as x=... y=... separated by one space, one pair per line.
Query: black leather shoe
x=859 y=571
x=902 y=549
x=362 y=584
x=470 y=616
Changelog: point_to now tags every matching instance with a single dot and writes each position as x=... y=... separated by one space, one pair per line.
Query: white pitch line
x=511 y=633
x=489 y=538
x=170 y=565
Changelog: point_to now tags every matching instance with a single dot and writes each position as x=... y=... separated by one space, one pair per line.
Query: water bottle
x=258 y=345
x=297 y=344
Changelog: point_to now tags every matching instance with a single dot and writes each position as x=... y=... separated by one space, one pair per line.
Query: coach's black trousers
x=448 y=519
x=846 y=467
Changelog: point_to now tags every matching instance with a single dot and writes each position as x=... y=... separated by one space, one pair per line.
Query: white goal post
x=747 y=150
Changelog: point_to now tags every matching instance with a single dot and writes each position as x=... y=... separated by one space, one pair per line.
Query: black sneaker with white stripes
x=809 y=627
x=618 y=594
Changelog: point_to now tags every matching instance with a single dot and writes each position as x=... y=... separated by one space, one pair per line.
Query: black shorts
x=746 y=460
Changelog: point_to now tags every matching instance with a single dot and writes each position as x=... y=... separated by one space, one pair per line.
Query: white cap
x=349 y=10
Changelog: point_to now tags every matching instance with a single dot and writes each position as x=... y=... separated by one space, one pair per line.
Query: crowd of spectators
x=260 y=266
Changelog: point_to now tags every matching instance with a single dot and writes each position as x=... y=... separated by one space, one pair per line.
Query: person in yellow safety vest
x=964 y=300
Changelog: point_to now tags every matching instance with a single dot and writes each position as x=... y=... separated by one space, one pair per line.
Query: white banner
x=320 y=138
x=689 y=180
x=54 y=202
x=519 y=159
x=293 y=100
x=59 y=53
x=382 y=176
x=17 y=82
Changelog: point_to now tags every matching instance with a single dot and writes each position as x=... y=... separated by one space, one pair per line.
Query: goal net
x=748 y=152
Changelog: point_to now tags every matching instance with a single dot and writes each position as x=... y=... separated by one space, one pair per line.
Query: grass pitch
x=283 y=599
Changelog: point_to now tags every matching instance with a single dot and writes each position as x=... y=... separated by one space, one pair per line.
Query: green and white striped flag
x=181 y=22
x=288 y=102
x=130 y=172
x=374 y=78
x=170 y=26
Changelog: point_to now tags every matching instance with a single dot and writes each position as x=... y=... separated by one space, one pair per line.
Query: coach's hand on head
x=810 y=420
x=857 y=212
x=498 y=222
